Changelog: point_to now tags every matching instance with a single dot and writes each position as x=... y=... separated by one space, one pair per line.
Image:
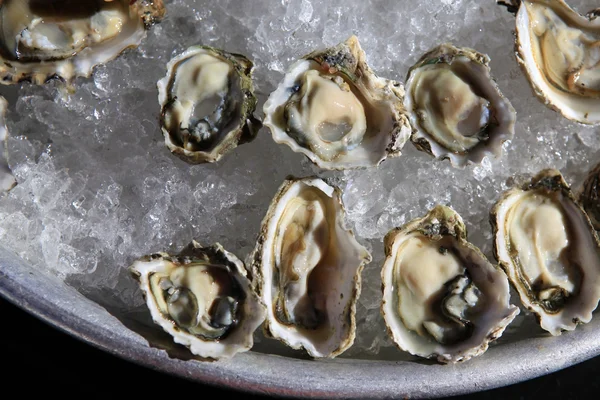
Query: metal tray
x=511 y=360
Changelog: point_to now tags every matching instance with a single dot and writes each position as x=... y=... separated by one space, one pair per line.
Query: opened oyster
x=41 y=40
x=441 y=297
x=589 y=196
x=202 y=298
x=207 y=101
x=7 y=180
x=559 y=51
x=307 y=267
x=455 y=107
x=546 y=244
x=333 y=109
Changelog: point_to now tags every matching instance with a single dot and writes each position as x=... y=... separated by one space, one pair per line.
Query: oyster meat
x=332 y=108
x=207 y=101
x=7 y=179
x=548 y=248
x=306 y=268
x=41 y=40
x=589 y=196
x=441 y=296
x=456 y=109
x=559 y=50
x=202 y=298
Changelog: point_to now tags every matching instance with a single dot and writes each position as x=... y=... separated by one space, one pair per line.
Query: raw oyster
x=546 y=244
x=441 y=297
x=306 y=268
x=202 y=298
x=41 y=40
x=455 y=107
x=7 y=179
x=333 y=109
x=589 y=196
x=559 y=50
x=207 y=101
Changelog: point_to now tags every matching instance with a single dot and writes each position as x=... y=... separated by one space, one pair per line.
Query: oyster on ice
x=589 y=196
x=456 y=109
x=559 y=50
x=306 y=269
x=202 y=298
x=207 y=100
x=41 y=40
x=7 y=179
x=547 y=246
x=332 y=108
x=441 y=296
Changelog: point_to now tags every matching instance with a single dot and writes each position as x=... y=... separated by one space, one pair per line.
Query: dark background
x=39 y=360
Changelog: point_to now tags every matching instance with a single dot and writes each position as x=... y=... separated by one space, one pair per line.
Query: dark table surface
x=40 y=361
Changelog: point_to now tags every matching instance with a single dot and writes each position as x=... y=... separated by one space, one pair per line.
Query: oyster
x=559 y=50
x=41 y=40
x=549 y=250
x=589 y=196
x=207 y=101
x=306 y=268
x=333 y=109
x=455 y=107
x=202 y=298
x=441 y=296
x=7 y=180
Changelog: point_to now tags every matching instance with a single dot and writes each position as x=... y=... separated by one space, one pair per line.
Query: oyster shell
x=589 y=196
x=332 y=108
x=202 y=298
x=307 y=267
x=547 y=246
x=207 y=101
x=559 y=50
x=41 y=40
x=441 y=297
x=456 y=109
x=7 y=179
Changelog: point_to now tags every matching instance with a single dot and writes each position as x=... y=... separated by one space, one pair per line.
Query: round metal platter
x=525 y=353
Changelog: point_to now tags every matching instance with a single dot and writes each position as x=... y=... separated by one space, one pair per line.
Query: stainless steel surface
x=53 y=301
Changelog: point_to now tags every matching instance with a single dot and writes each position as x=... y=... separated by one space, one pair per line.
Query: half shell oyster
x=441 y=296
x=307 y=267
x=332 y=108
x=456 y=109
x=41 y=40
x=589 y=196
x=202 y=298
x=559 y=50
x=547 y=246
x=207 y=101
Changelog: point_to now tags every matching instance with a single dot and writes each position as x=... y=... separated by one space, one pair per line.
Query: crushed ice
x=98 y=188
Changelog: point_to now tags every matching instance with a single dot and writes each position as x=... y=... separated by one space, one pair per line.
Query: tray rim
x=55 y=301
